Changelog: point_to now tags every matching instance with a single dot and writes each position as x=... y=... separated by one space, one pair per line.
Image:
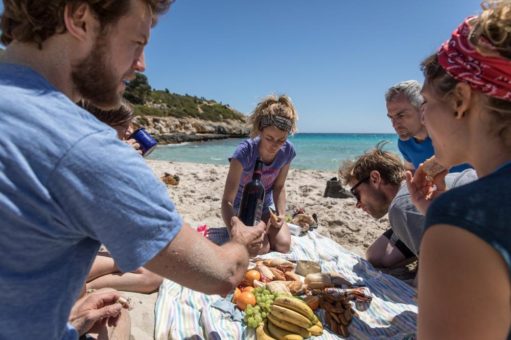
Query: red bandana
x=489 y=75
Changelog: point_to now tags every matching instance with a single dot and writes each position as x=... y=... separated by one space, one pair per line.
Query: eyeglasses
x=353 y=188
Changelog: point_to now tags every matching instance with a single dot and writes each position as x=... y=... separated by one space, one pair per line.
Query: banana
x=297 y=305
x=262 y=332
x=319 y=324
x=291 y=316
x=289 y=327
x=282 y=334
x=315 y=330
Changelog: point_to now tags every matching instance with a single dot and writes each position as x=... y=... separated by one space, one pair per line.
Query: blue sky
x=334 y=58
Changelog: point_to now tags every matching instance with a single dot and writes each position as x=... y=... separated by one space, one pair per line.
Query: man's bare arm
x=193 y=261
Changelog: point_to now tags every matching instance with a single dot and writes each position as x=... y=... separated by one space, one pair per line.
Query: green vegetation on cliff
x=153 y=102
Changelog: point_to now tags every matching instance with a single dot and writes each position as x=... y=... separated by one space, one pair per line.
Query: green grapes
x=255 y=315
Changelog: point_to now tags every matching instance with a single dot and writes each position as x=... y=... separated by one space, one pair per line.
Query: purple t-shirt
x=246 y=153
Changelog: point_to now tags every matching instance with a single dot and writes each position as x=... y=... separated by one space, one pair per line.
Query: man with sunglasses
x=377 y=182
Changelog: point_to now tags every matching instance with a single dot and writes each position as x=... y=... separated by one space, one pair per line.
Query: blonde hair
x=273 y=106
x=493 y=25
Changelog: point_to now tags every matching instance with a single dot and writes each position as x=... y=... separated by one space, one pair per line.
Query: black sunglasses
x=353 y=188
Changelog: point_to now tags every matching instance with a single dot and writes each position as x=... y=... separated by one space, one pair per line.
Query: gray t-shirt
x=407 y=222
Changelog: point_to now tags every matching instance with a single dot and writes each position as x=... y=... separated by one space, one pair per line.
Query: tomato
x=245 y=299
x=236 y=294
x=252 y=275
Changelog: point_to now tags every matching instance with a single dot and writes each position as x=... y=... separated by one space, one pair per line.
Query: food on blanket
x=262 y=332
x=289 y=315
x=258 y=283
x=279 y=333
x=245 y=299
x=312 y=301
x=247 y=289
x=361 y=294
x=318 y=280
x=296 y=287
x=431 y=168
x=278 y=262
x=280 y=329
x=252 y=275
x=236 y=294
x=255 y=315
x=292 y=276
x=338 y=310
x=266 y=274
x=278 y=274
x=307 y=267
x=297 y=305
x=316 y=329
x=278 y=287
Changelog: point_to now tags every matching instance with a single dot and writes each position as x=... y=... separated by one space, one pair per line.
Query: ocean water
x=320 y=151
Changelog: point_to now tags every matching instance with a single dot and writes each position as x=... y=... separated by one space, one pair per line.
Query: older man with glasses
x=377 y=182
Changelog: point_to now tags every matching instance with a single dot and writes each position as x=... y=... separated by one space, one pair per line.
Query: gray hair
x=411 y=89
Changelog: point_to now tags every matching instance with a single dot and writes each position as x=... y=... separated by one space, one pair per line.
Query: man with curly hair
x=68 y=184
x=377 y=181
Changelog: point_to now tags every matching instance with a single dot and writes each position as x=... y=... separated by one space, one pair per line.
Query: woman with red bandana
x=465 y=260
x=273 y=120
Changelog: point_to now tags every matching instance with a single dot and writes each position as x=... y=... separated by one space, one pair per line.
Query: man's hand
x=423 y=189
x=103 y=306
x=250 y=237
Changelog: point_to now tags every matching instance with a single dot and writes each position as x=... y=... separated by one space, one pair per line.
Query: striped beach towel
x=185 y=314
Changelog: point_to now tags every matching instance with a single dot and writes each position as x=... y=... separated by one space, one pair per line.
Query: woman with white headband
x=273 y=120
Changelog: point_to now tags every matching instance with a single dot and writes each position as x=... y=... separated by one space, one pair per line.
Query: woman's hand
x=134 y=144
x=276 y=221
x=423 y=189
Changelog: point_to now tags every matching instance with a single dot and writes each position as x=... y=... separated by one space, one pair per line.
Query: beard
x=94 y=78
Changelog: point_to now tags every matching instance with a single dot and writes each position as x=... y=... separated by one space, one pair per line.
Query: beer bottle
x=251 y=207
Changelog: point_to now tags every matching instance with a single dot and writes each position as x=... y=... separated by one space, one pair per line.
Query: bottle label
x=259 y=211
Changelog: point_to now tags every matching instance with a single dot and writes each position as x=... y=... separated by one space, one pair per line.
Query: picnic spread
x=318 y=290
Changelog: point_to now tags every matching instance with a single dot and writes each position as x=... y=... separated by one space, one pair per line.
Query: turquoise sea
x=320 y=151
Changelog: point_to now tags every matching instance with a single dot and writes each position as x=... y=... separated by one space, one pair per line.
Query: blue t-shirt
x=246 y=153
x=417 y=152
x=480 y=207
x=67 y=184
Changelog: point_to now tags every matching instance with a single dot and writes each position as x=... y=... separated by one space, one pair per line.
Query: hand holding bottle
x=251 y=237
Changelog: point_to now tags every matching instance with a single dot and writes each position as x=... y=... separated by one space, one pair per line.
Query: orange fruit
x=236 y=294
x=245 y=299
x=247 y=289
x=252 y=275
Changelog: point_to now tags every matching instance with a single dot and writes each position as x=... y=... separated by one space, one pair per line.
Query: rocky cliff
x=171 y=130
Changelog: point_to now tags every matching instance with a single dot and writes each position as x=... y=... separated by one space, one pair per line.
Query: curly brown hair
x=36 y=21
x=493 y=25
x=388 y=164
x=273 y=106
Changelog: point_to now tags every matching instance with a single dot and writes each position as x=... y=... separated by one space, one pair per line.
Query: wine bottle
x=251 y=207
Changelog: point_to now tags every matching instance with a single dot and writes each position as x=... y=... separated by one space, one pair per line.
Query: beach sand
x=198 y=196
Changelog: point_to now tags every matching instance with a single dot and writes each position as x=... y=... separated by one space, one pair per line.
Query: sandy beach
x=198 y=195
